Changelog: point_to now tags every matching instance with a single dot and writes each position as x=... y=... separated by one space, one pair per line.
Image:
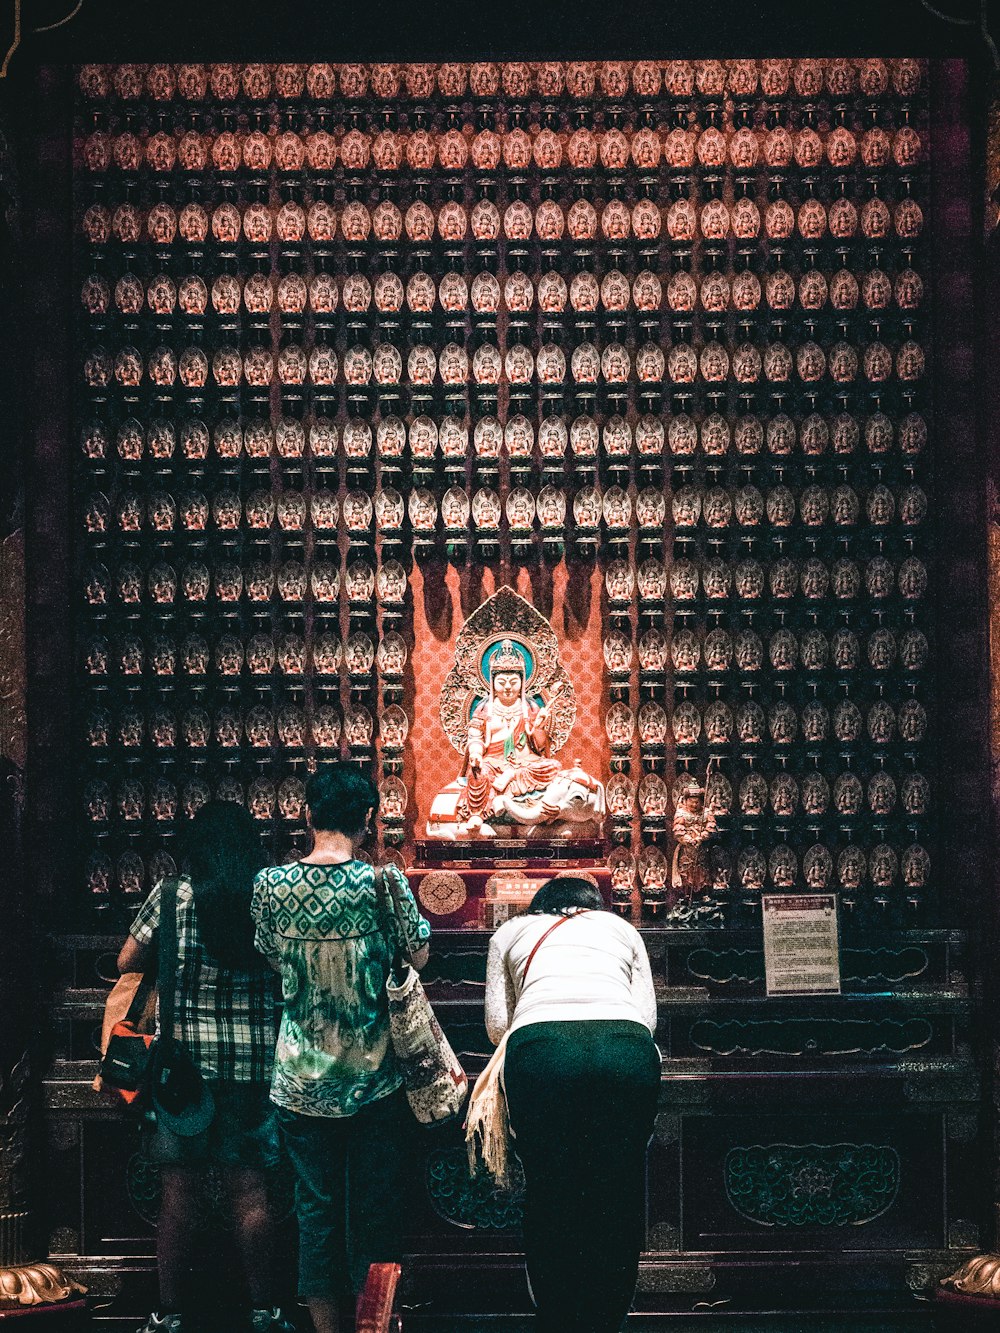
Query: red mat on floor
x=68 y=1315
x=957 y=1311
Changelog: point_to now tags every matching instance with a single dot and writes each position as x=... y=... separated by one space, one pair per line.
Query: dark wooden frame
x=38 y=100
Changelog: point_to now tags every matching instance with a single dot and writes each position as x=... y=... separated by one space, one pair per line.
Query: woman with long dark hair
x=224 y=1014
x=569 y=984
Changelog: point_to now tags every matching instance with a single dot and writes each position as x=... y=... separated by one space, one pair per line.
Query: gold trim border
x=16 y=42
x=19 y=31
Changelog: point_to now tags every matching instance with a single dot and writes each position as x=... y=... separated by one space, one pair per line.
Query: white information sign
x=801 y=948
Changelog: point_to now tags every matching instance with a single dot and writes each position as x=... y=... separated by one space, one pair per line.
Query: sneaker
x=163 y=1323
x=270 y=1321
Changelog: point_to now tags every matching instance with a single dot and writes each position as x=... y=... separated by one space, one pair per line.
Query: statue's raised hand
x=544 y=712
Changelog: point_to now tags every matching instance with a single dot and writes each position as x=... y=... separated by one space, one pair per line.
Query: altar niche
x=508 y=708
x=542 y=743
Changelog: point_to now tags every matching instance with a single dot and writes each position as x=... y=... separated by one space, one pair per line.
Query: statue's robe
x=689 y=872
x=514 y=753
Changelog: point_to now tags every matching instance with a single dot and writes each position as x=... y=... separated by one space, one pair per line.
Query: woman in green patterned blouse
x=342 y=1112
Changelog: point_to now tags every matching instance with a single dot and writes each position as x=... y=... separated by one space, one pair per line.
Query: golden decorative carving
x=442 y=892
x=977 y=1277
x=36 y=1284
x=13 y=716
x=505 y=615
x=21 y=1282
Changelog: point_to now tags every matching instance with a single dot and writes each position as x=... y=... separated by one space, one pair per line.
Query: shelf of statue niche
x=556 y=853
x=463 y=886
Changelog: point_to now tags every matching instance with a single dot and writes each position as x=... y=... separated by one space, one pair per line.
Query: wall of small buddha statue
x=649 y=341
x=669 y=360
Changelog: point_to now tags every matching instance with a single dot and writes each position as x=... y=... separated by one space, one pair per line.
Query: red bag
x=126 y=1063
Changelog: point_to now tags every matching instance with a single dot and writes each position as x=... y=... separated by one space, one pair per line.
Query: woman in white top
x=571 y=984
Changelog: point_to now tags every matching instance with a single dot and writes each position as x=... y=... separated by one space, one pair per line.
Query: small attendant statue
x=693 y=826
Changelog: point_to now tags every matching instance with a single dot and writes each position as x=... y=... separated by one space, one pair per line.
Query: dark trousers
x=351 y=1176
x=582 y=1099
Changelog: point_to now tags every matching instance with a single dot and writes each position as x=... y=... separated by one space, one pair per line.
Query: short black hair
x=339 y=797
x=564 y=893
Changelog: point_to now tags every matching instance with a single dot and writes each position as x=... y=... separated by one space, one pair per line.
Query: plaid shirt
x=225 y=1019
x=324 y=927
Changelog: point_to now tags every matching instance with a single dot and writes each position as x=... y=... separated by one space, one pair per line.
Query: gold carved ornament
x=21 y=1283
x=977 y=1277
x=442 y=892
x=36 y=1284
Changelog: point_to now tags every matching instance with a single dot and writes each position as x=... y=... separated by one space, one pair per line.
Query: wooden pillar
x=25 y=1281
x=978 y=1280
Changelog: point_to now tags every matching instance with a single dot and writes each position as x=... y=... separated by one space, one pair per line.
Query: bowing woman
x=582 y=1078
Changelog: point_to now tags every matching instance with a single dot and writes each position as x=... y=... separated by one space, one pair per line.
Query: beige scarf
x=487 y=1128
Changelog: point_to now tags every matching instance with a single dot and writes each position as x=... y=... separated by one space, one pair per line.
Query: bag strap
x=388 y=896
x=141 y=997
x=544 y=936
x=167 y=966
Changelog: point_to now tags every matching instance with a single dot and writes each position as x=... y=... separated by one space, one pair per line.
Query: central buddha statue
x=508 y=751
x=508 y=729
